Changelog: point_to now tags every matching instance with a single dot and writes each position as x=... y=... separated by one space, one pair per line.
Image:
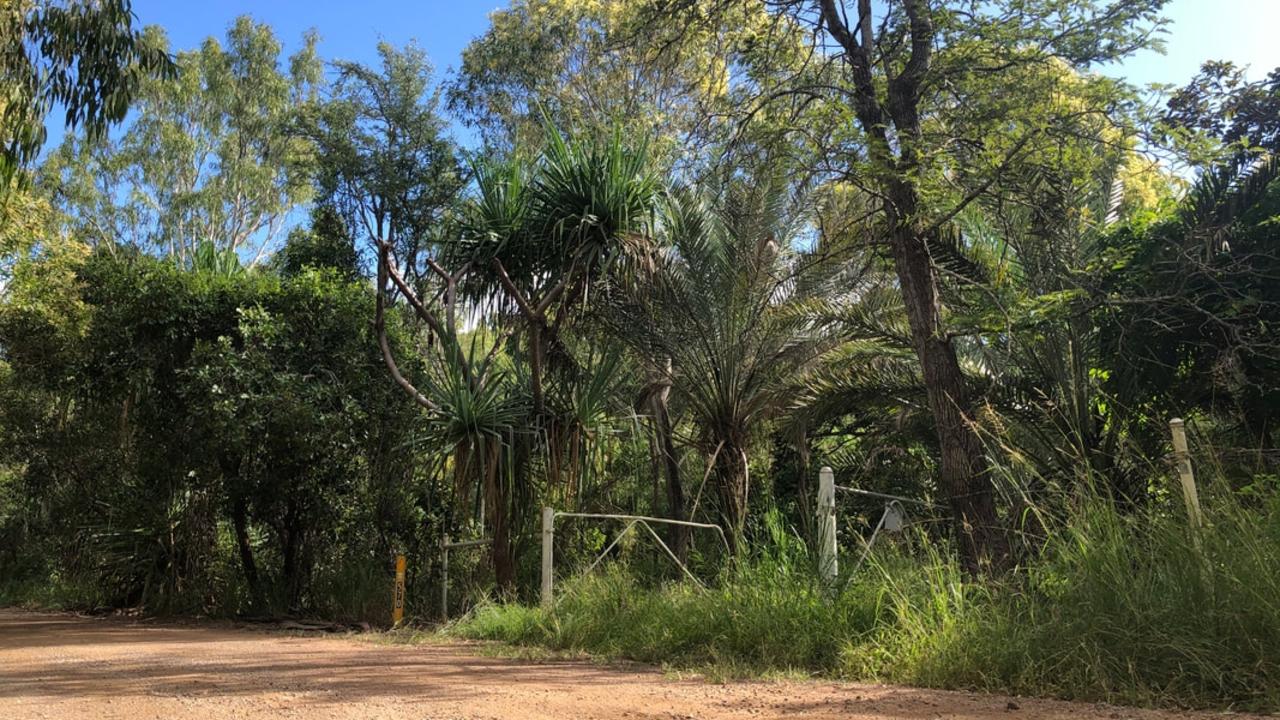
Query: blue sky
x=1243 y=31
x=349 y=29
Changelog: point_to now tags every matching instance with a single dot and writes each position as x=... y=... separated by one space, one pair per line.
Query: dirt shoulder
x=63 y=666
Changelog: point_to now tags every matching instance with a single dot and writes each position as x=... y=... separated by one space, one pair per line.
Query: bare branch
x=380 y=327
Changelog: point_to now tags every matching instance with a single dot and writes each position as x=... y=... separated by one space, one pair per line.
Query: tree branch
x=380 y=327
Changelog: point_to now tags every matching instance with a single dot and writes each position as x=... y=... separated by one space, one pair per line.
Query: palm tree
x=720 y=307
x=544 y=238
x=535 y=240
x=473 y=401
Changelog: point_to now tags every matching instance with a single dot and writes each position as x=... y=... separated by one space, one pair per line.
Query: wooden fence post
x=828 y=564
x=548 y=547
x=1183 y=456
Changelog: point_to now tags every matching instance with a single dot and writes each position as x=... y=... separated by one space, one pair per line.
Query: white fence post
x=548 y=545
x=828 y=565
x=1189 y=494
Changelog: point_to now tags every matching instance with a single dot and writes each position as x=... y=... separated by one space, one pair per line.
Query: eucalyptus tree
x=591 y=66
x=85 y=56
x=564 y=59
x=931 y=102
x=211 y=156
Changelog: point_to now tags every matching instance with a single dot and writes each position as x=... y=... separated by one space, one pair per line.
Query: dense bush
x=206 y=440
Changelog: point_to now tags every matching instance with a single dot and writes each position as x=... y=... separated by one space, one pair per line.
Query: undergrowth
x=1116 y=607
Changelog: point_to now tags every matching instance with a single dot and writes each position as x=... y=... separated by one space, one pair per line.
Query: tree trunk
x=497 y=506
x=679 y=535
x=965 y=472
x=891 y=121
x=732 y=480
x=288 y=565
x=240 y=521
x=535 y=368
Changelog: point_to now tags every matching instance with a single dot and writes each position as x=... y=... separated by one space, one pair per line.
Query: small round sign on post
x=397 y=600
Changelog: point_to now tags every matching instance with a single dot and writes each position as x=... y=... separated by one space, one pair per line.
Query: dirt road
x=64 y=667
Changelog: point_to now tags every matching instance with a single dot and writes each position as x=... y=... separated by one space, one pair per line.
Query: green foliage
x=211 y=155
x=326 y=244
x=702 y=255
x=84 y=56
x=384 y=162
x=1123 y=608
x=1236 y=117
x=1196 y=309
x=581 y=205
x=196 y=410
x=208 y=259
x=1119 y=608
x=590 y=67
x=721 y=309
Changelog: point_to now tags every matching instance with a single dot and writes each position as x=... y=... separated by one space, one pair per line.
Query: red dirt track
x=64 y=667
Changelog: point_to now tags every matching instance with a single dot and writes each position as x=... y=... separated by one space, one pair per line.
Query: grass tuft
x=1119 y=608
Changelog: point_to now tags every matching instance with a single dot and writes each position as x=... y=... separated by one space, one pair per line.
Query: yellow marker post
x=397 y=599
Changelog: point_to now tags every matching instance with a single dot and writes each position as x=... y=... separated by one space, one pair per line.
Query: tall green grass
x=1116 y=607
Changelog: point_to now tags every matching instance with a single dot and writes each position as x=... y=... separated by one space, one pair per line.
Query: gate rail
x=549 y=516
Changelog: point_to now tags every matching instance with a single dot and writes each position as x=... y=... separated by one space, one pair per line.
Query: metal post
x=397 y=597
x=548 y=545
x=828 y=565
x=444 y=577
x=1185 y=474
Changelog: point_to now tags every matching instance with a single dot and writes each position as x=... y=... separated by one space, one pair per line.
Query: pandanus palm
x=542 y=238
x=474 y=404
x=536 y=238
